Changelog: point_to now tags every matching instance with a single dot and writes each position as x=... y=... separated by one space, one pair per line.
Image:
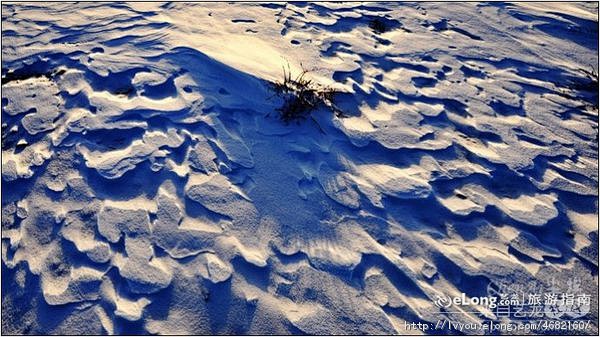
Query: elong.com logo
x=444 y=301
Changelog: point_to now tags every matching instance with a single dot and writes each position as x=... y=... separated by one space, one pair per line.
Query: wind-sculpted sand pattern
x=149 y=187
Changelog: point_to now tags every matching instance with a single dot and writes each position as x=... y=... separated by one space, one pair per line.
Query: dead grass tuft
x=302 y=96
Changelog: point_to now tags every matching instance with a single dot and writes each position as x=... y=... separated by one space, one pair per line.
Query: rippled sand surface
x=149 y=187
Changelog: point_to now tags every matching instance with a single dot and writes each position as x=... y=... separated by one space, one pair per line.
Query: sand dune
x=149 y=187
